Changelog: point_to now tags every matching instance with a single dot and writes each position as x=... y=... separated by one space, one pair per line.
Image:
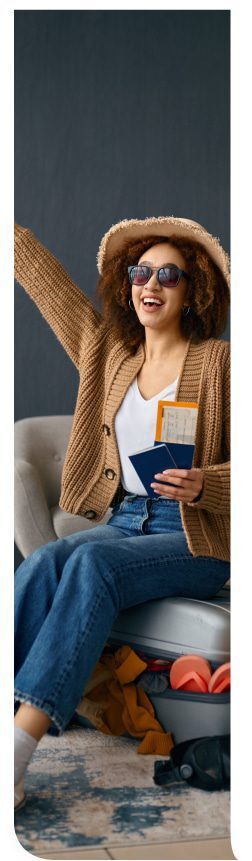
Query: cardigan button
x=109 y=473
x=106 y=430
x=90 y=514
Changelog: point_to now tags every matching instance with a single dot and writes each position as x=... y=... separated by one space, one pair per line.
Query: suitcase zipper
x=162 y=654
x=171 y=693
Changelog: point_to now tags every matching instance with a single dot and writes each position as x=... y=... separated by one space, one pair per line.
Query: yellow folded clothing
x=114 y=704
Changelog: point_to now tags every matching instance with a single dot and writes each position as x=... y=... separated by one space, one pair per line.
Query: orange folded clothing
x=114 y=704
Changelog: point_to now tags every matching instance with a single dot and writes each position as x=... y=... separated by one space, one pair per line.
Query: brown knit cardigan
x=90 y=481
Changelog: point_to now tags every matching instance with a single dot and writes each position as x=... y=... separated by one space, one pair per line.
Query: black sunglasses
x=168 y=276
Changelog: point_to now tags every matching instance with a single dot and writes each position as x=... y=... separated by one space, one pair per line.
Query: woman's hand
x=189 y=484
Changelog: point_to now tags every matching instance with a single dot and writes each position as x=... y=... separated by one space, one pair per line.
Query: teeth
x=151 y=302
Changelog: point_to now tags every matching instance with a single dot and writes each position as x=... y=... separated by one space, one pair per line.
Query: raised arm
x=66 y=308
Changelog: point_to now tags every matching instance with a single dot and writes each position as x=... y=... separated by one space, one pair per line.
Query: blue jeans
x=69 y=592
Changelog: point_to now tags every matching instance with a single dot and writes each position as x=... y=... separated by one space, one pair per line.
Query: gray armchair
x=40 y=447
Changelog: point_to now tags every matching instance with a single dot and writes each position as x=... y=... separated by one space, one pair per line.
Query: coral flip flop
x=190 y=673
x=220 y=680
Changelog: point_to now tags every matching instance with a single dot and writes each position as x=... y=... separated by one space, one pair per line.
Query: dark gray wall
x=117 y=115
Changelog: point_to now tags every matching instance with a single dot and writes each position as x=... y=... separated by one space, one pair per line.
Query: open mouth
x=151 y=305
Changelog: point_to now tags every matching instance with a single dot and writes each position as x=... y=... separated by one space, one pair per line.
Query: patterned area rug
x=88 y=789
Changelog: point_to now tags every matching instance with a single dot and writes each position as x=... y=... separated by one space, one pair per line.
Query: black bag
x=202 y=762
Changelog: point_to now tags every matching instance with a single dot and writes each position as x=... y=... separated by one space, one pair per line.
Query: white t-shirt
x=135 y=427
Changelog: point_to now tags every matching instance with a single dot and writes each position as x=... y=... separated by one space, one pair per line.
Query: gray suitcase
x=171 y=627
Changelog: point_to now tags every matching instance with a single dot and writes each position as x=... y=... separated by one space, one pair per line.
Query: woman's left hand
x=189 y=484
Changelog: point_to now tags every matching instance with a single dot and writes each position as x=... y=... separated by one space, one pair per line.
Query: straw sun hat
x=135 y=228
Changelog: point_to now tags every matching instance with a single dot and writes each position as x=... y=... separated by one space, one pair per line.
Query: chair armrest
x=33 y=525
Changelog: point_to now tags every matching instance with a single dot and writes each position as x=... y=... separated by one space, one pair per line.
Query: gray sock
x=24 y=746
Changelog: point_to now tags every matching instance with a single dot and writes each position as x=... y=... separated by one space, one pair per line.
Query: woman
x=69 y=592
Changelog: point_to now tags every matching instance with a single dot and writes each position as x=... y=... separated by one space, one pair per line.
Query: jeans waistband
x=121 y=494
x=135 y=496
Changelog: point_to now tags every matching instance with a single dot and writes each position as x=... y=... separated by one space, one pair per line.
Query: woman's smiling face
x=172 y=298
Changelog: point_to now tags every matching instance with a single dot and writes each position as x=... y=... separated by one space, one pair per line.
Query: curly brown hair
x=207 y=292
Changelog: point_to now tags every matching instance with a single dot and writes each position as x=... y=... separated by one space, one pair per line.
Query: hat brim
x=134 y=228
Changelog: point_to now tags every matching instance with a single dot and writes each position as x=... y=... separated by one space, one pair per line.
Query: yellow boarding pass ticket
x=176 y=422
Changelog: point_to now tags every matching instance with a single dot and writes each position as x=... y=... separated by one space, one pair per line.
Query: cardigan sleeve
x=215 y=495
x=65 y=307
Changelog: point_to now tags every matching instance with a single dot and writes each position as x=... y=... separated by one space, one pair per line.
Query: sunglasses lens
x=139 y=275
x=169 y=276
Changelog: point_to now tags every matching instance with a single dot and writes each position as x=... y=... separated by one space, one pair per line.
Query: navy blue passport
x=152 y=460
x=182 y=453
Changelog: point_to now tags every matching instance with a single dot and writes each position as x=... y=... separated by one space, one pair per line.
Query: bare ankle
x=32 y=720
